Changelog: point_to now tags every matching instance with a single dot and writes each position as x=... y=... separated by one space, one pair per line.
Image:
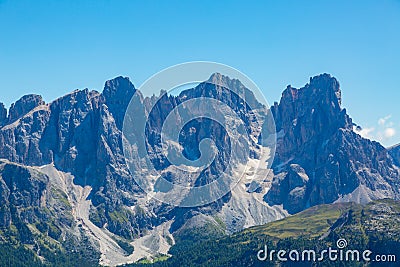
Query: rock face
x=319 y=159
x=28 y=197
x=233 y=214
x=3 y=114
x=77 y=133
x=117 y=93
x=23 y=106
x=80 y=134
x=394 y=151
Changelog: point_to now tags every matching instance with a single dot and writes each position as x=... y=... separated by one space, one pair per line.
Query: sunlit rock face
x=394 y=151
x=319 y=158
x=65 y=159
x=75 y=145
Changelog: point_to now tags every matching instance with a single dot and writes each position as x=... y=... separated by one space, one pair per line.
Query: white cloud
x=365 y=132
x=383 y=120
x=383 y=133
x=389 y=132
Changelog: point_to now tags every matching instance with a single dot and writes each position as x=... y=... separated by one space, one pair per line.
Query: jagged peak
x=117 y=93
x=217 y=76
x=22 y=106
x=326 y=83
x=320 y=99
x=236 y=86
x=118 y=84
x=225 y=81
x=323 y=77
x=320 y=87
x=3 y=113
x=291 y=92
x=28 y=99
x=75 y=96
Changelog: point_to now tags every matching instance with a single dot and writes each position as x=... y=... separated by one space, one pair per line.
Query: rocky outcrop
x=3 y=114
x=23 y=106
x=289 y=187
x=316 y=134
x=20 y=189
x=117 y=93
x=29 y=198
x=20 y=141
x=308 y=117
x=394 y=151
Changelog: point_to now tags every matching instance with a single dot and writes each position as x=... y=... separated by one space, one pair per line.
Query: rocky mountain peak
x=3 y=114
x=316 y=133
x=232 y=84
x=225 y=81
x=327 y=84
x=316 y=104
x=321 y=90
x=23 y=106
x=117 y=93
x=290 y=93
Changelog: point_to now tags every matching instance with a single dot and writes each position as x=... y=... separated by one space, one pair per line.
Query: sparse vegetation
x=375 y=226
x=125 y=246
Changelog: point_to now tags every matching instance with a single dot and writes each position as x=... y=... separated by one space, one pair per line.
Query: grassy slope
x=374 y=226
x=311 y=222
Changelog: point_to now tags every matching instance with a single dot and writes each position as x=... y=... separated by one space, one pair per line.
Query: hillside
x=374 y=226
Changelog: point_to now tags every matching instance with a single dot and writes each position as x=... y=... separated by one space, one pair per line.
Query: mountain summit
x=319 y=158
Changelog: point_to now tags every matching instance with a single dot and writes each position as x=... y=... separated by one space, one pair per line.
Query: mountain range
x=66 y=189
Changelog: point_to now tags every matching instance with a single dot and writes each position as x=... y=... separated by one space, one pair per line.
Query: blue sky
x=54 y=47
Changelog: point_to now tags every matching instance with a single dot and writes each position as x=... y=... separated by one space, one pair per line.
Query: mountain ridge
x=77 y=142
